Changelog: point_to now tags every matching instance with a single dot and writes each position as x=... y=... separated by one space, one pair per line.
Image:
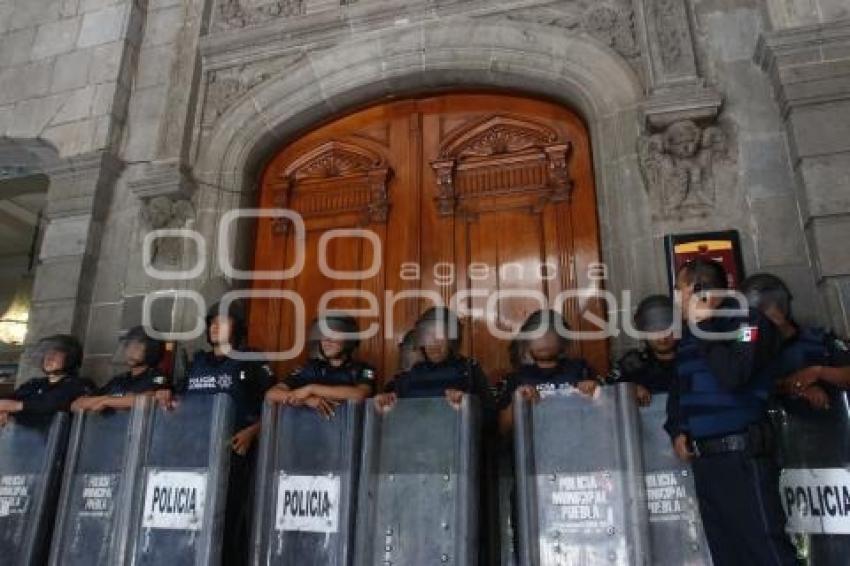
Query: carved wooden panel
x=469 y=194
x=336 y=183
x=501 y=161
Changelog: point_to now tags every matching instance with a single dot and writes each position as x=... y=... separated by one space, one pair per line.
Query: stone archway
x=439 y=56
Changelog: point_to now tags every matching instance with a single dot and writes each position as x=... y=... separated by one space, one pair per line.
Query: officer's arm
x=58 y=400
x=504 y=403
x=734 y=362
x=357 y=392
x=839 y=377
x=674 y=425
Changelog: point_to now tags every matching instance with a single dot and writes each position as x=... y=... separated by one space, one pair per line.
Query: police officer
x=539 y=354
x=331 y=375
x=60 y=359
x=812 y=360
x=723 y=389
x=142 y=354
x=442 y=370
x=651 y=368
x=246 y=382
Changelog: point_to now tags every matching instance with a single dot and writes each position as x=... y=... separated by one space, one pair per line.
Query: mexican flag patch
x=748 y=334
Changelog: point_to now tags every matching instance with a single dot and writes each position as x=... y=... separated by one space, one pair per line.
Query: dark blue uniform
x=127 y=384
x=658 y=376
x=321 y=372
x=246 y=383
x=40 y=397
x=429 y=379
x=723 y=388
x=643 y=368
x=811 y=347
x=564 y=376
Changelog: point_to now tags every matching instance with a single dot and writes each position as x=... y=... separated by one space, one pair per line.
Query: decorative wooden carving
x=337 y=182
x=501 y=161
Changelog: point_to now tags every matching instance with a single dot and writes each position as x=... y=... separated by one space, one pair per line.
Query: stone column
x=810 y=69
x=675 y=89
x=77 y=199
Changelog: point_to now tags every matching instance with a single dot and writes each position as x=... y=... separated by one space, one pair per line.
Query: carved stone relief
x=612 y=22
x=163 y=212
x=236 y=14
x=226 y=86
x=682 y=167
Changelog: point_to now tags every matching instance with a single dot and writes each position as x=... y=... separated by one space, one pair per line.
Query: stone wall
x=170 y=108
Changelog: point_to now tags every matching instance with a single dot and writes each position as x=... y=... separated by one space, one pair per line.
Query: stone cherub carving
x=163 y=212
x=679 y=166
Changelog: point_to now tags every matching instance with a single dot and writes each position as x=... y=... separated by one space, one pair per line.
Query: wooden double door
x=480 y=200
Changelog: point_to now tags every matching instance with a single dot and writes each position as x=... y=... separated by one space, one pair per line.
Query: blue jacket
x=722 y=387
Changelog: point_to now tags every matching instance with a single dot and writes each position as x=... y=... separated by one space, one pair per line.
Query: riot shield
x=101 y=470
x=183 y=485
x=815 y=480
x=675 y=528
x=31 y=455
x=418 y=484
x=307 y=472
x=580 y=493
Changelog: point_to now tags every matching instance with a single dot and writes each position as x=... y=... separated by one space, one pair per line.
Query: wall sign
x=723 y=247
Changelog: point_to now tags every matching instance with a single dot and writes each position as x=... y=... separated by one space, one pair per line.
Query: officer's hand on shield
x=99 y=404
x=280 y=394
x=455 y=398
x=4 y=419
x=644 y=397
x=801 y=380
x=244 y=439
x=324 y=407
x=10 y=406
x=529 y=393
x=682 y=447
x=816 y=396
x=385 y=401
x=82 y=404
x=165 y=399
x=588 y=386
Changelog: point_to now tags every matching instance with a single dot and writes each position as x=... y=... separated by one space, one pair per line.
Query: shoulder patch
x=840 y=345
x=368 y=373
x=159 y=379
x=748 y=334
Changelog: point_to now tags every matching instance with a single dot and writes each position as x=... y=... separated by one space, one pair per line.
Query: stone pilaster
x=810 y=70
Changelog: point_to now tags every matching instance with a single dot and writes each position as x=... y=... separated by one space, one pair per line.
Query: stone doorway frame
x=431 y=57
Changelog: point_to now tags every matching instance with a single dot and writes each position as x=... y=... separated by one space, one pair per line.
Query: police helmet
x=764 y=290
x=442 y=318
x=64 y=343
x=236 y=314
x=654 y=314
x=337 y=323
x=542 y=320
x=154 y=349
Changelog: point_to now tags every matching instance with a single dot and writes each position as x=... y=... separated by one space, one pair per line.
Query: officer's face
x=332 y=349
x=220 y=330
x=775 y=315
x=664 y=345
x=545 y=348
x=53 y=362
x=134 y=353
x=435 y=348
